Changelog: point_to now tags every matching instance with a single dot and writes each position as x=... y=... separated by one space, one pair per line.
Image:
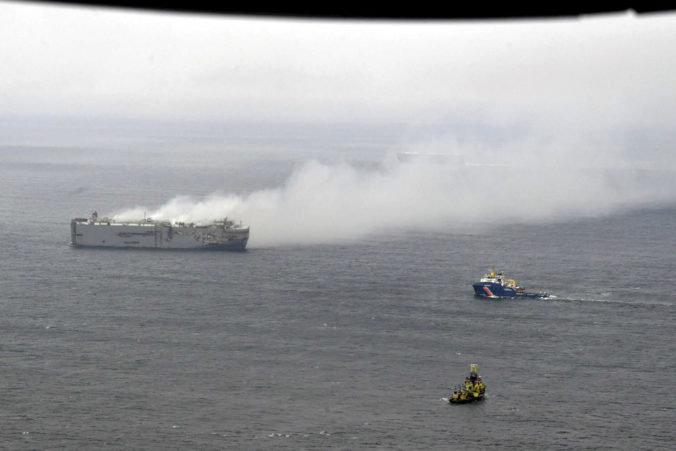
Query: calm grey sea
x=333 y=346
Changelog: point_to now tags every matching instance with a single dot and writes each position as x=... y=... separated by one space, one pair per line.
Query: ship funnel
x=474 y=369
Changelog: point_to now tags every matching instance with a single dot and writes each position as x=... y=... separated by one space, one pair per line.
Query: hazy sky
x=547 y=99
x=596 y=72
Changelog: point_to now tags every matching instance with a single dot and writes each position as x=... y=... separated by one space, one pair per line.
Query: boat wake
x=643 y=302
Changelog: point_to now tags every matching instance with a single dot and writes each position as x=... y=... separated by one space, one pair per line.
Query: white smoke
x=328 y=203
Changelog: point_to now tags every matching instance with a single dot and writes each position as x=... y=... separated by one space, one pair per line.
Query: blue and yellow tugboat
x=494 y=285
x=474 y=388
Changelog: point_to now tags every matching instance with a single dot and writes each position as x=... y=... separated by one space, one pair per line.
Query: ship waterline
x=151 y=234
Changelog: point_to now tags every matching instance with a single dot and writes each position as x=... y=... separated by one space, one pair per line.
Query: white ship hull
x=157 y=235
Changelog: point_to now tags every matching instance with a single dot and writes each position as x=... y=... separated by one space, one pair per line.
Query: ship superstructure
x=494 y=285
x=148 y=233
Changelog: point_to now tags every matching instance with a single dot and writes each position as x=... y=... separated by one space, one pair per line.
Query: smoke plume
x=338 y=202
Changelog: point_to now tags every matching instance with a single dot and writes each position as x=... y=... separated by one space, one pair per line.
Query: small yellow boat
x=474 y=388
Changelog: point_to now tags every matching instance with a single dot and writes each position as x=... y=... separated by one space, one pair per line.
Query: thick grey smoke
x=335 y=202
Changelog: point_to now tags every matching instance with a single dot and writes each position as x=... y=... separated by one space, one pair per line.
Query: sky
x=548 y=100
x=602 y=71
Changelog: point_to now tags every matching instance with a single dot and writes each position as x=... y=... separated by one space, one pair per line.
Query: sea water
x=346 y=345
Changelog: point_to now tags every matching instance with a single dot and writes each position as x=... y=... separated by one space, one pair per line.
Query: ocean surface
x=326 y=346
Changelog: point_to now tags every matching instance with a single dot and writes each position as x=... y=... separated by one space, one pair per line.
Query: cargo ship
x=150 y=234
x=494 y=285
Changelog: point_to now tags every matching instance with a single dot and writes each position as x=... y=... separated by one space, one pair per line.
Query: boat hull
x=466 y=400
x=460 y=401
x=496 y=291
x=239 y=247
